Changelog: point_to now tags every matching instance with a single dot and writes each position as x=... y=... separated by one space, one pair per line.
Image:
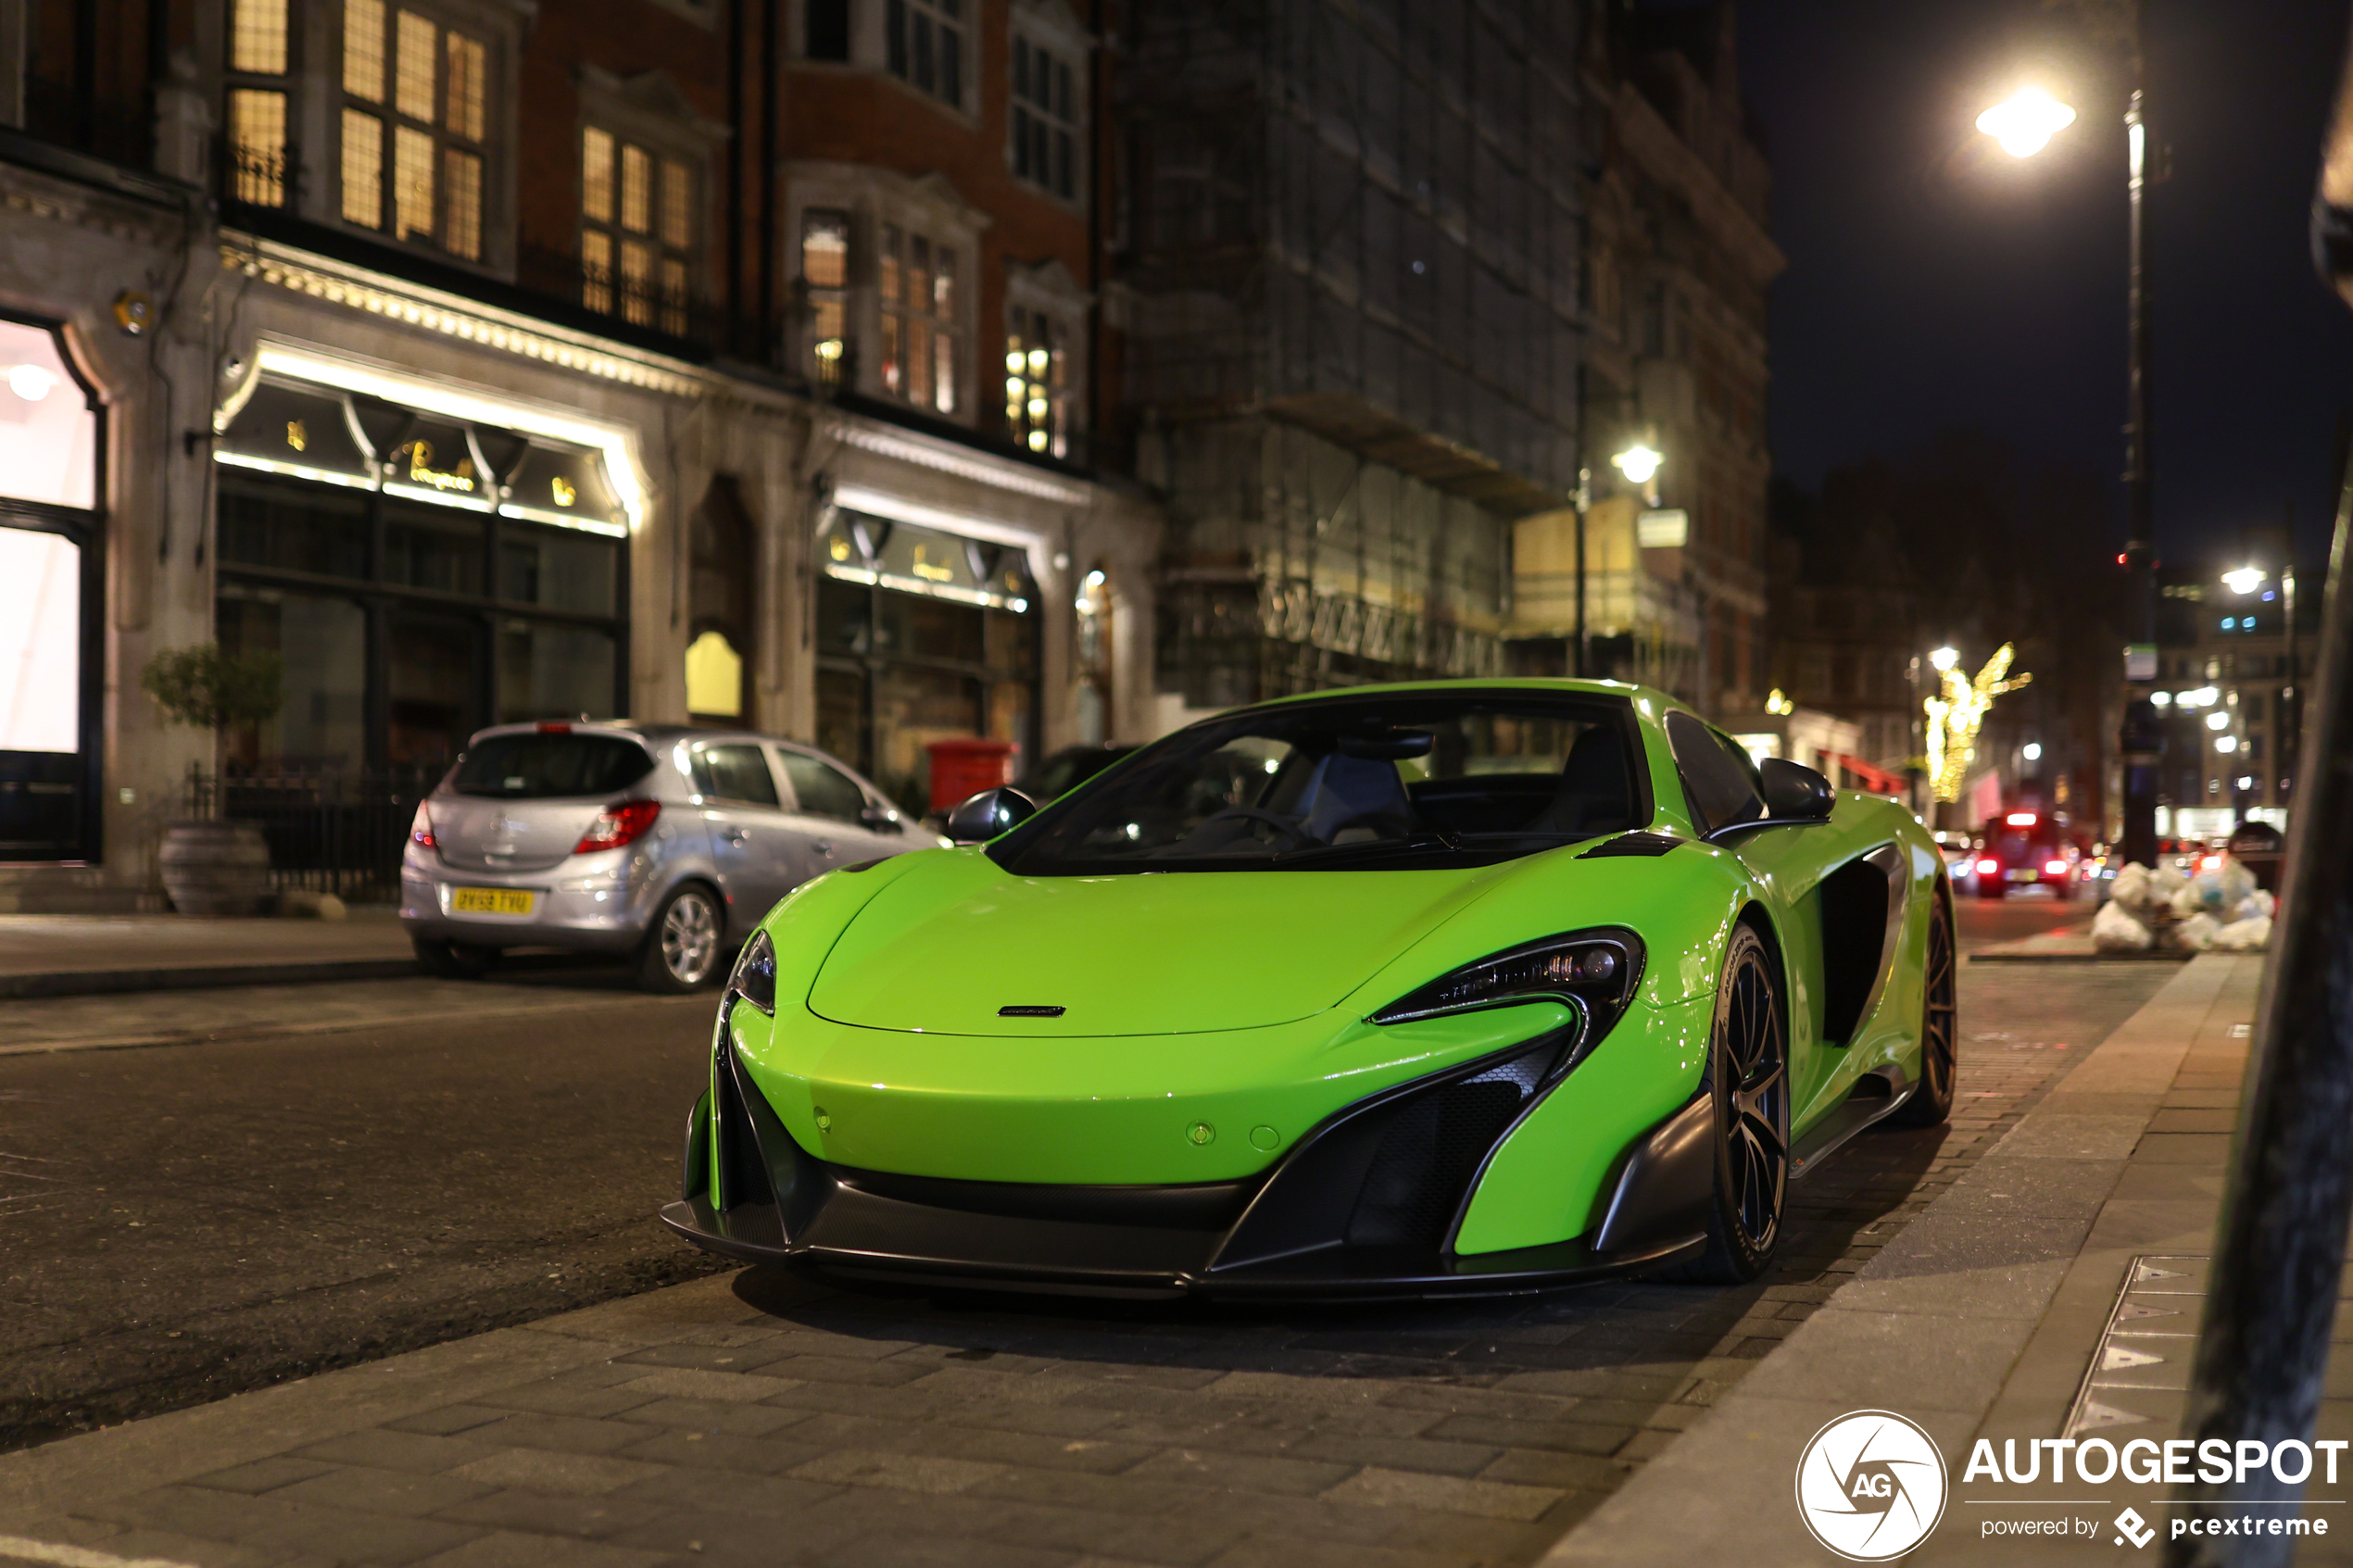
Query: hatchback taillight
x=2056 y=868
x=421 y=830
x=617 y=825
x=1987 y=868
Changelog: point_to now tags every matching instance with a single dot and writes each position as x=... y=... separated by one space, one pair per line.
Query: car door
x=836 y=822
x=752 y=836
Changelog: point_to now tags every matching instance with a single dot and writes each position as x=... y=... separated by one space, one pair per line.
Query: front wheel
x=681 y=949
x=1932 y=1101
x=1748 y=1080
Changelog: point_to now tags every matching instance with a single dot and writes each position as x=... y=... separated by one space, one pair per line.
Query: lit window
x=632 y=266
x=825 y=276
x=1044 y=124
x=1037 y=383
x=261 y=164
x=924 y=42
x=429 y=86
x=917 y=283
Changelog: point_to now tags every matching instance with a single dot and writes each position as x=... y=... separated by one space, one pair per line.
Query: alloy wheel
x=689 y=938
x=1937 y=1050
x=1756 y=1061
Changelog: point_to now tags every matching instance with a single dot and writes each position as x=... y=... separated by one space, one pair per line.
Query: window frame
x=659 y=305
x=269 y=182
x=1066 y=120
x=496 y=33
x=86 y=530
x=901 y=32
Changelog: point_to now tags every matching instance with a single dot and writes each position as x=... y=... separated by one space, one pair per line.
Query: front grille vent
x=1433 y=1148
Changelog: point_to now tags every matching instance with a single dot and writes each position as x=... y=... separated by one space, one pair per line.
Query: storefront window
x=418 y=578
x=921 y=635
x=49 y=559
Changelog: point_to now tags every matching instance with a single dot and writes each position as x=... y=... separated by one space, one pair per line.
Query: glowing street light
x=2026 y=122
x=1639 y=463
x=1944 y=659
x=2032 y=751
x=2246 y=580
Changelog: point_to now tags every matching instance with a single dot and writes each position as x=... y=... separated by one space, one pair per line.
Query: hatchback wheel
x=681 y=949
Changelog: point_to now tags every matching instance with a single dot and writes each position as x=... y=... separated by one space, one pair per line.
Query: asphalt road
x=311 y=1177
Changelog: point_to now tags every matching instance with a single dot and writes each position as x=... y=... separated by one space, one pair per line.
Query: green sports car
x=1454 y=988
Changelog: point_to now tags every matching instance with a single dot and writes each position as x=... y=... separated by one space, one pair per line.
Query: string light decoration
x=1954 y=713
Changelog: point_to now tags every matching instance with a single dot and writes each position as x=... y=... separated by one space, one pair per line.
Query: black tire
x=1932 y=1103
x=685 y=945
x=1748 y=1079
x=455 y=961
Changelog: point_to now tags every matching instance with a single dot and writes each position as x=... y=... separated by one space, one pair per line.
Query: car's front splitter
x=1063 y=1258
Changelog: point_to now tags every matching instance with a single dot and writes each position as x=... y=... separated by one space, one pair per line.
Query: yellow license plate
x=491 y=900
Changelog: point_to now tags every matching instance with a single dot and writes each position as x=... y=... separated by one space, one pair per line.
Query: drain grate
x=2140 y=1371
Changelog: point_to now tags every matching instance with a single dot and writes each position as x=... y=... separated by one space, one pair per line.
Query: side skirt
x=1877 y=1094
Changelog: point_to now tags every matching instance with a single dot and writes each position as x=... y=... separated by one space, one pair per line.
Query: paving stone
x=447 y=1422
x=384 y=1491
x=908 y=1549
x=509 y=1549
x=1241 y=1472
x=692 y=1382
x=1573 y=1437
x=557 y=1400
x=714 y=1415
x=769 y=1455
x=715 y=1358
x=1447 y=1494
x=1345 y=1447
x=719 y=1491
x=910 y=1473
x=383 y=1448
x=261 y=1475
x=579 y=1475
x=549 y=1514
x=569 y=1434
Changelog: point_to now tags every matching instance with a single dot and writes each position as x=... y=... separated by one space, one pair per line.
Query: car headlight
x=754 y=977
x=1594 y=972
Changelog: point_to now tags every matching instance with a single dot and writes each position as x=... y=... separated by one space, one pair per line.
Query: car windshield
x=1390 y=781
x=545 y=765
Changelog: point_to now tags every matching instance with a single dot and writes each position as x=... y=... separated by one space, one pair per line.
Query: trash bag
x=2116 y=930
x=2255 y=906
x=2249 y=936
x=2196 y=934
x=2238 y=882
x=2266 y=902
x=2190 y=899
x=2165 y=882
x=2131 y=888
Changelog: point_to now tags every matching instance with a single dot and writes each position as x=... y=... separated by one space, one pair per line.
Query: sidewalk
x=93 y=955
x=1984 y=1318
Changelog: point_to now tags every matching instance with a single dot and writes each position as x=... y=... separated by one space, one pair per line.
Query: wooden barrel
x=215 y=868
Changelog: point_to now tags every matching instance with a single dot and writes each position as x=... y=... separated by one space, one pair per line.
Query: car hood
x=956 y=938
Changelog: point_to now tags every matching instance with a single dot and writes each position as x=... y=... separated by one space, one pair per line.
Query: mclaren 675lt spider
x=1454 y=988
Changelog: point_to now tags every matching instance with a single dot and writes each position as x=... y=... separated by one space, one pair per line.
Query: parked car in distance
x=2023 y=849
x=662 y=843
x=1066 y=770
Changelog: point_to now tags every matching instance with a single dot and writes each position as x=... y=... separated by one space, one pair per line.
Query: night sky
x=1929 y=289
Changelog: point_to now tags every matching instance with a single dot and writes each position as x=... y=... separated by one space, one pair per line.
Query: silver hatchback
x=659 y=842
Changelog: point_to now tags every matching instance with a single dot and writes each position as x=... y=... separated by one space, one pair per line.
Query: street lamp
x=2244 y=579
x=1639 y=463
x=1944 y=659
x=2023 y=126
x=2025 y=123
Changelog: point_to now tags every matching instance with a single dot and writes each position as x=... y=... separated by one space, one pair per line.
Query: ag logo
x=1870 y=1486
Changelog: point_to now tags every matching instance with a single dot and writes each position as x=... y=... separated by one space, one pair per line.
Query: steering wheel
x=1257 y=814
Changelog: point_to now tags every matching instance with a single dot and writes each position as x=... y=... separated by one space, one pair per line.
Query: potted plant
x=212 y=866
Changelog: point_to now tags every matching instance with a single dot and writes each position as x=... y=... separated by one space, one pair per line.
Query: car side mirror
x=1794 y=792
x=881 y=819
x=990 y=813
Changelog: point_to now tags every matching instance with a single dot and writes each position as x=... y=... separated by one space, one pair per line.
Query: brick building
x=490 y=360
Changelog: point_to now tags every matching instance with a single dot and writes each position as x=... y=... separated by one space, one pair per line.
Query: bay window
x=917 y=281
x=636 y=231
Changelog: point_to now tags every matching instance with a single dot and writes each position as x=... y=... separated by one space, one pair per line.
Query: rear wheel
x=455 y=961
x=1748 y=1079
x=1940 y=1056
x=681 y=949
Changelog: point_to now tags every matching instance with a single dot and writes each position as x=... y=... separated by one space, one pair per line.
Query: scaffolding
x=1353 y=242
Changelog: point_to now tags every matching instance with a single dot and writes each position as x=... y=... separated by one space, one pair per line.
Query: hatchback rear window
x=541 y=766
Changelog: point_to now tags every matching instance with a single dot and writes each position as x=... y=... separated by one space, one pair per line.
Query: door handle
x=823 y=846
x=733 y=835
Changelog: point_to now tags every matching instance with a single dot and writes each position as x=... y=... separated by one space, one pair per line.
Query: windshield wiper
x=1420 y=844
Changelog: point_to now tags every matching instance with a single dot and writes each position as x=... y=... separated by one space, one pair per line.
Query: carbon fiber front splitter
x=889 y=1239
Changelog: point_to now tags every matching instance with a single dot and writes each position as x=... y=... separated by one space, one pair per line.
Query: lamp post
x=2024 y=125
x=1639 y=463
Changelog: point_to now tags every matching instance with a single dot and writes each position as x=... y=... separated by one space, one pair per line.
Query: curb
x=112 y=982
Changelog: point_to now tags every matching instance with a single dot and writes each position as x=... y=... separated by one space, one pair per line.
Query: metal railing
x=641 y=300
x=337 y=830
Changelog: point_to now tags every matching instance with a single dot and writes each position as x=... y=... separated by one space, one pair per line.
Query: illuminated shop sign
x=911 y=560
x=309 y=432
